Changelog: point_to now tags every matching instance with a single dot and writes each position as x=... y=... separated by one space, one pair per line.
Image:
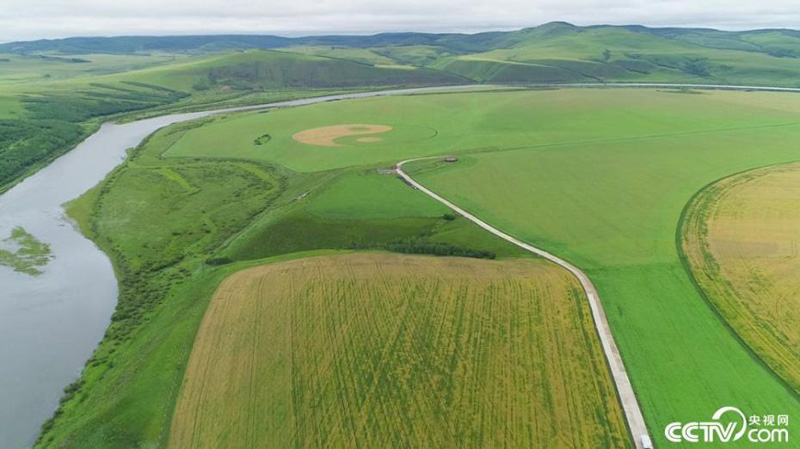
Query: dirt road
x=633 y=413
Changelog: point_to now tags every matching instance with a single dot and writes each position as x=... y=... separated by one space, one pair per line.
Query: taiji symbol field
x=326 y=136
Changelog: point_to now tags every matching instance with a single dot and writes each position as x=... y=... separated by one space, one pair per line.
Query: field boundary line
x=627 y=397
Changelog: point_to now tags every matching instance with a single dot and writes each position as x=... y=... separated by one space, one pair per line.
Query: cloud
x=32 y=19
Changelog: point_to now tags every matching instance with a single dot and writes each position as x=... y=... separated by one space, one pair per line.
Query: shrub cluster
x=263 y=139
x=424 y=246
x=54 y=121
x=26 y=143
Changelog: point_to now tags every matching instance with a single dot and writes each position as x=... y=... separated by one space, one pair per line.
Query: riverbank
x=53 y=322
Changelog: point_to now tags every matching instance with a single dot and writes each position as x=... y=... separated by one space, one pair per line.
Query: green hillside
x=266 y=69
x=556 y=52
x=605 y=53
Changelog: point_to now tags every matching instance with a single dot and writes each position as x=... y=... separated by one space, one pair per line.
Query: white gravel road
x=630 y=404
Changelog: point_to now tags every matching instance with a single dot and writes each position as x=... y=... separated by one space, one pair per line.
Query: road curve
x=633 y=413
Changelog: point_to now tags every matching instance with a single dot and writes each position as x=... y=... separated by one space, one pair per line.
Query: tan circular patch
x=369 y=139
x=326 y=135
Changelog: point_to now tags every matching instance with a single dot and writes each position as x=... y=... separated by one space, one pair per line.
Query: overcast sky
x=35 y=19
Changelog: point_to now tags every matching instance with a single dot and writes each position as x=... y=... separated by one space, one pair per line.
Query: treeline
x=25 y=143
x=424 y=246
x=101 y=101
x=56 y=122
x=290 y=72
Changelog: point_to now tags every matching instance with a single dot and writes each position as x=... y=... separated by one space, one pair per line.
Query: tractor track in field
x=627 y=397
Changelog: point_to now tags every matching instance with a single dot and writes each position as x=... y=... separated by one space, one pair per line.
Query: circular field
x=740 y=238
x=348 y=135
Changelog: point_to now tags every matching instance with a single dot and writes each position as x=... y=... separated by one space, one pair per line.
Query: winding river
x=51 y=323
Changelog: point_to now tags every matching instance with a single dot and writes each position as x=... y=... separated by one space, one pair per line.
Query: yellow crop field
x=386 y=350
x=740 y=237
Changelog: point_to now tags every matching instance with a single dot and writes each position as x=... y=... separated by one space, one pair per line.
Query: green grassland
x=612 y=209
x=560 y=52
x=599 y=177
x=367 y=194
x=415 y=55
x=473 y=123
x=175 y=227
x=358 y=209
x=362 y=55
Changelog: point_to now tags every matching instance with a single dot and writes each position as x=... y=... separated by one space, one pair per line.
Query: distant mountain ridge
x=556 y=52
x=212 y=43
x=734 y=40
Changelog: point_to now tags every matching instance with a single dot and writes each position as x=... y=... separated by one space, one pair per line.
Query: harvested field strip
x=388 y=350
x=739 y=239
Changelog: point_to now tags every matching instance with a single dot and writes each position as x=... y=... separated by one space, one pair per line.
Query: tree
x=697 y=66
x=606 y=55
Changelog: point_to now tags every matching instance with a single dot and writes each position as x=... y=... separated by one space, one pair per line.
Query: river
x=50 y=324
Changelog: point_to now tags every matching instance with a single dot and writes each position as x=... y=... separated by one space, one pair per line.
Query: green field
x=599 y=177
x=612 y=209
x=458 y=123
x=281 y=360
x=370 y=195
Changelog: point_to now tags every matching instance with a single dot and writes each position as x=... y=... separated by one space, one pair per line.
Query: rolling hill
x=556 y=52
x=267 y=69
